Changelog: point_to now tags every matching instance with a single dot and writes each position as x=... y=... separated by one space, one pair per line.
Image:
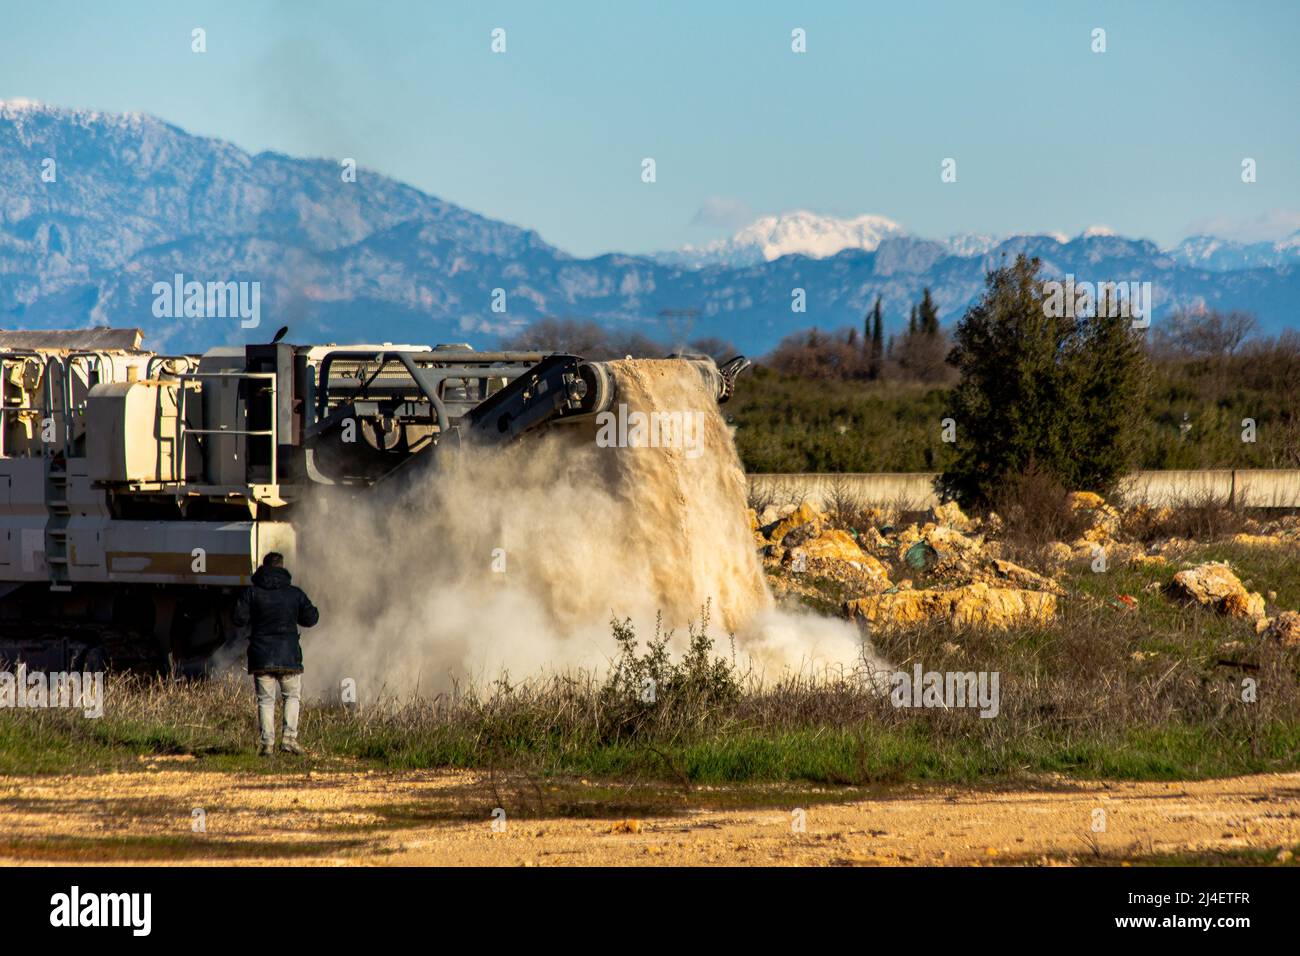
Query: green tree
x=928 y=315
x=876 y=344
x=1039 y=391
x=1109 y=373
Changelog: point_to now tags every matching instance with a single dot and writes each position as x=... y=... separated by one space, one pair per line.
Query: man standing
x=275 y=609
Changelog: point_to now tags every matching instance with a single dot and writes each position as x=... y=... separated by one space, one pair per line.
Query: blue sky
x=1146 y=138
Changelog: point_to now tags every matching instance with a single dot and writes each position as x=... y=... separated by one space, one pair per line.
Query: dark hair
x=273 y=559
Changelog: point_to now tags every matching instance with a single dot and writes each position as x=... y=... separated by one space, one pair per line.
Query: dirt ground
x=163 y=814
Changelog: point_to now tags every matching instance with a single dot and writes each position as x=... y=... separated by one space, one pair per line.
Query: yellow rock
x=876 y=570
x=1259 y=540
x=1286 y=628
x=834 y=545
x=951 y=515
x=805 y=513
x=1214 y=585
x=837 y=554
x=950 y=539
x=910 y=535
x=1024 y=577
x=1243 y=604
x=948 y=543
x=900 y=607
x=1097 y=534
x=973 y=605
x=1088 y=500
x=982 y=606
x=1105 y=520
x=876 y=539
x=1058 y=552
x=1208 y=583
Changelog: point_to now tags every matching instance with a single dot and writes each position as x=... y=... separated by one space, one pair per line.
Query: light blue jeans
x=289 y=687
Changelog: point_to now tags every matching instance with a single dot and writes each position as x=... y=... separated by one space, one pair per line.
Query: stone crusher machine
x=138 y=491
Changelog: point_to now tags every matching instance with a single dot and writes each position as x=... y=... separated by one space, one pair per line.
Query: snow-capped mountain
x=1208 y=252
x=970 y=244
x=800 y=233
x=97 y=208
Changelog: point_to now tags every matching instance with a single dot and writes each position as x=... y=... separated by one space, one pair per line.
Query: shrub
x=1061 y=392
x=1035 y=509
x=648 y=693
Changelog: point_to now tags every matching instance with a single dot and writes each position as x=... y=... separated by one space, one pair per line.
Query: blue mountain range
x=97 y=209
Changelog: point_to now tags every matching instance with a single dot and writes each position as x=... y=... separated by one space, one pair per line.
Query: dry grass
x=1103 y=692
x=1035 y=509
x=1198 y=517
x=765 y=493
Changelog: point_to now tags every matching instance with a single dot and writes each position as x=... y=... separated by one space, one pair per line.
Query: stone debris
x=1285 y=628
x=1261 y=540
x=1057 y=553
x=802 y=542
x=835 y=545
x=1214 y=585
x=1104 y=520
x=950 y=515
x=805 y=514
x=875 y=540
x=936 y=546
x=968 y=579
x=1025 y=578
x=836 y=555
x=972 y=605
x=1086 y=501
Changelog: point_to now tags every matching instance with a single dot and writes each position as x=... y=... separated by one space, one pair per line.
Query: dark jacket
x=275 y=609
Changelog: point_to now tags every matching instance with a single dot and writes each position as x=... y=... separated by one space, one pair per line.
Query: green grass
x=855 y=756
x=790 y=423
x=159 y=848
x=1154 y=693
x=870 y=757
x=1260 y=569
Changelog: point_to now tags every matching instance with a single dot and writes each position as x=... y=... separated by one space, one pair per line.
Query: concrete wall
x=1248 y=488
x=906 y=490
x=1267 y=488
x=1170 y=488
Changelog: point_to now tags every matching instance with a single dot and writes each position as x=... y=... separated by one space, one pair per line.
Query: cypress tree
x=928 y=315
x=877 y=340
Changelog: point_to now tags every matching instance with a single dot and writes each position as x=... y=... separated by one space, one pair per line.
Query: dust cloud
x=511 y=562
